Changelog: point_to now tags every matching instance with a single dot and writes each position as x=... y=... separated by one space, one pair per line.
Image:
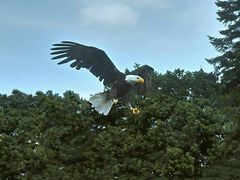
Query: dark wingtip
x=59 y=52
x=69 y=42
x=59 y=48
x=63 y=44
x=60 y=56
x=55 y=44
x=53 y=58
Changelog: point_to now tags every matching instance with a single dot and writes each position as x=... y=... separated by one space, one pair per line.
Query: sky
x=163 y=34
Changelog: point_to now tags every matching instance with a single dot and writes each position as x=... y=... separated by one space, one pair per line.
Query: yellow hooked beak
x=140 y=80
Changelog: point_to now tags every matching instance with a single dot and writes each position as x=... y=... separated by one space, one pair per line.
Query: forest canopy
x=178 y=133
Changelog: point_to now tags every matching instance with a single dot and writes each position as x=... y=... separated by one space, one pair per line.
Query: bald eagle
x=100 y=65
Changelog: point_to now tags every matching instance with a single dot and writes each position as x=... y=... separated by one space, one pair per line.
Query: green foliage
x=228 y=63
x=227 y=67
x=188 y=85
x=226 y=168
x=47 y=136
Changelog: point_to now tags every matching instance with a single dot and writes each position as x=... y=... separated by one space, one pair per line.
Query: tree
x=47 y=136
x=187 y=85
x=228 y=63
x=228 y=70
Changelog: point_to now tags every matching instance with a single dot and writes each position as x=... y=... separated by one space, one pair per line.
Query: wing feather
x=65 y=61
x=91 y=58
x=59 y=52
x=60 y=56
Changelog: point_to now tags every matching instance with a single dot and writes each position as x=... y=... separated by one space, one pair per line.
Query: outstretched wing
x=91 y=58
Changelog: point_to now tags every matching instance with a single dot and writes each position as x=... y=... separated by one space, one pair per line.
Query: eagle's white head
x=134 y=79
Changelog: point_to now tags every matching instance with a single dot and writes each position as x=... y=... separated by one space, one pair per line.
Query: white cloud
x=153 y=4
x=109 y=15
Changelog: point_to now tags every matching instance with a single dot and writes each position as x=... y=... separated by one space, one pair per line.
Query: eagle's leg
x=133 y=110
x=129 y=106
x=113 y=95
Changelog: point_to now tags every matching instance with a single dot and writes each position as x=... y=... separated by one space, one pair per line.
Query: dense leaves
x=178 y=133
x=50 y=136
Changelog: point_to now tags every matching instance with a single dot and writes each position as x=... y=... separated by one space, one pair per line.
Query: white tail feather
x=101 y=103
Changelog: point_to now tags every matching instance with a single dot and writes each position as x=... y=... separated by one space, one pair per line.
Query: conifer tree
x=228 y=44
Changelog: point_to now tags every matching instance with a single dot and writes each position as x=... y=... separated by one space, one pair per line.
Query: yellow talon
x=135 y=110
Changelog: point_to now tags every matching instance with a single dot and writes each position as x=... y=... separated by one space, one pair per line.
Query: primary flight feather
x=100 y=65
